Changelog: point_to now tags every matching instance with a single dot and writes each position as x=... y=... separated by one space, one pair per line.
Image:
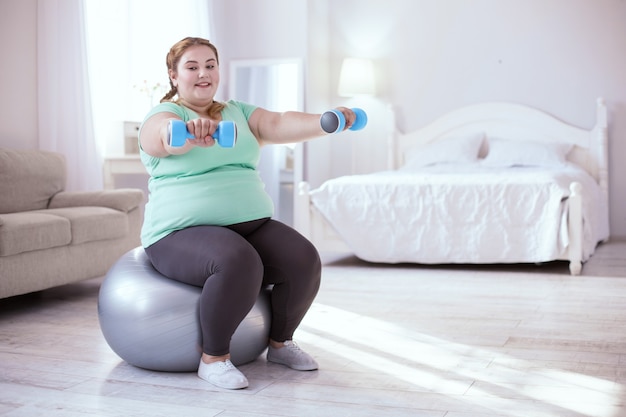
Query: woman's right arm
x=154 y=135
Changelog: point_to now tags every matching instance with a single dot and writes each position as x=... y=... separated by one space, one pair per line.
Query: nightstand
x=121 y=164
x=127 y=163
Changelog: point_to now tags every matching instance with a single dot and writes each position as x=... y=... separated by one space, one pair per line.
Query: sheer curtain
x=93 y=58
x=64 y=105
x=127 y=43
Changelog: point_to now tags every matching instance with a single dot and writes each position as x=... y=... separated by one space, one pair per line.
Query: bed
x=490 y=183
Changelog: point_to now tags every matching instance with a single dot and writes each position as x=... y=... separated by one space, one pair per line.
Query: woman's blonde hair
x=172 y=59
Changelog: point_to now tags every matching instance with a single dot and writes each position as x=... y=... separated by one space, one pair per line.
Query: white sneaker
x=292 y=356
x=222 y=374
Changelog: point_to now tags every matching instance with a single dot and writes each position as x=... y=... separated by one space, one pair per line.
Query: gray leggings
x=232 y=264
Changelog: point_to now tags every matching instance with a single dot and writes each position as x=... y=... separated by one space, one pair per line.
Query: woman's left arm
x=289 y=127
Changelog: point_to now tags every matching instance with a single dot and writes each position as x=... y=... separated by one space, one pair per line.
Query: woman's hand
x=349 y=115
x=154 y=135
x=202 y=130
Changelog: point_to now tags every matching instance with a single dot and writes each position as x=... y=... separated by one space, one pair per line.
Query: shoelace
x=293 y=347
x=226 y=366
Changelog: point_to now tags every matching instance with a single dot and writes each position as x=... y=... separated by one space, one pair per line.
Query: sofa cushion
x=44 y=229
x=29 y=178
x=92 y=223
x=28 y=231
x=122 y=199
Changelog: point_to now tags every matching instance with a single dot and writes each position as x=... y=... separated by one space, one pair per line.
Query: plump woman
x=208 y=221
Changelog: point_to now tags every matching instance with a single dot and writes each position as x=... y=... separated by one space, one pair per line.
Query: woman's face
x=197 y=76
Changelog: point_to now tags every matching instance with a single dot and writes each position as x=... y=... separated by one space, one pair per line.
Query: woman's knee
x=237 y=258
x=302 y=268
x=306 y=258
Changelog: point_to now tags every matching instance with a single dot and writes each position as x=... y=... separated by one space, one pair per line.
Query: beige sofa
x=51 y=237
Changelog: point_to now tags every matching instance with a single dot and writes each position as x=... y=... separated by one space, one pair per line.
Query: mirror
x=277 y=85
x=274 y=84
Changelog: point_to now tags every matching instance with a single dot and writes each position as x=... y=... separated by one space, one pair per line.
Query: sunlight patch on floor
x=435 y=365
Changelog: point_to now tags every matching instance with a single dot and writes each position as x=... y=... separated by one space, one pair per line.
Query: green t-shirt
x=206 y=186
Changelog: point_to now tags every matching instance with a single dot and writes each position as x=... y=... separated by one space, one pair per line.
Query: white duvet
x=465 y=214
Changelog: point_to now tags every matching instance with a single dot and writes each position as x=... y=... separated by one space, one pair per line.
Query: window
x=127 y=41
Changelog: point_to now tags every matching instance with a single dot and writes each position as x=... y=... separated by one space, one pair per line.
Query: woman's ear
x=172 y=75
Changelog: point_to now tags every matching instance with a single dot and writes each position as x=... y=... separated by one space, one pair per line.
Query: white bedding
x=466 y=214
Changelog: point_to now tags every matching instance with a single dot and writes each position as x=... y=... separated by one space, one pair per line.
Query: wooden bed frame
x=513 y=121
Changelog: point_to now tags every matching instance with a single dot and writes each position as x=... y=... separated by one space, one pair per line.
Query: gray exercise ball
x=152 y=322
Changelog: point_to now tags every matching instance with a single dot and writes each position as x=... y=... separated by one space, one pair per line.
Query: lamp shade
x=357 y=77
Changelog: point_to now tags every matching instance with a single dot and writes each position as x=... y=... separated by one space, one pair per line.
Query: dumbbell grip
x=225 y=135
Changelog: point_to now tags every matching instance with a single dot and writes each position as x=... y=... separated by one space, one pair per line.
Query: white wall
x=431 y=57
x=244 y=29
x=18 y=74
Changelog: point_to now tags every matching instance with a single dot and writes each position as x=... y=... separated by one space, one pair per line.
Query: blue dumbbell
x=225 y=135
x=333 y=121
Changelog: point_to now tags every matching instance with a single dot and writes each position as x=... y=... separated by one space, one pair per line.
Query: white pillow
x=453 y=149
x=508 y=153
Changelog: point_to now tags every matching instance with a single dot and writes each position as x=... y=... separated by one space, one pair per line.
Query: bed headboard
x=517 y=122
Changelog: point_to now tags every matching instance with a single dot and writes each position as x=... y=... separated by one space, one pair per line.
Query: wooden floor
x=402 y=340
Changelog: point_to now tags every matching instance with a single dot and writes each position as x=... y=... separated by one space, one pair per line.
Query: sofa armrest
x=122 y=199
